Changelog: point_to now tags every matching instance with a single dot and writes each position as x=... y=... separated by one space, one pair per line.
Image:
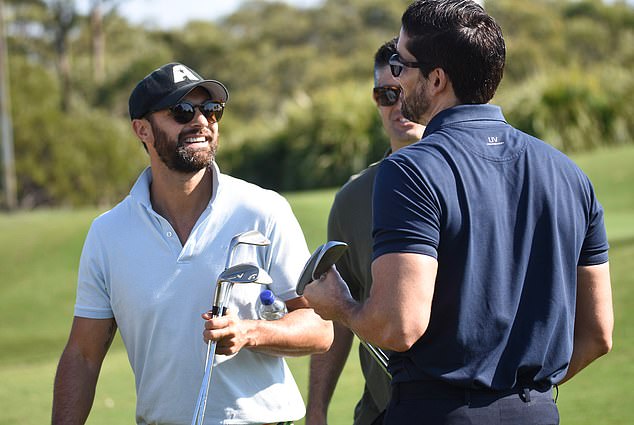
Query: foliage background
x=300 y=114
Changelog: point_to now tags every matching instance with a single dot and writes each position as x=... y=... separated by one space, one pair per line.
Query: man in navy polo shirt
x=490 y=268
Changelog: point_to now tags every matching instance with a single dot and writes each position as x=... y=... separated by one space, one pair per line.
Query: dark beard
x=414 y=107
x=407 y=112
x=176 y=156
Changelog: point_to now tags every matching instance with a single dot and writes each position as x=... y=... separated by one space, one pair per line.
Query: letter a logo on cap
x=182 y=73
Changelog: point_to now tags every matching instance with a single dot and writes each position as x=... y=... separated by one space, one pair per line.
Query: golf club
x=240 y=273
x=224 y=284
x=251 y=237
x=319 y=262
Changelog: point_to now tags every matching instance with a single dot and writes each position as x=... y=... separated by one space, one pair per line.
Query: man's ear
x=142 y=129
x=438 y=79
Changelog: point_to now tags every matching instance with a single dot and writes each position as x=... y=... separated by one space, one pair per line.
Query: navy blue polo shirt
x=509 y=218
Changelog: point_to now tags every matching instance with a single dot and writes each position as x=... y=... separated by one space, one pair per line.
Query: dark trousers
x=436 y=403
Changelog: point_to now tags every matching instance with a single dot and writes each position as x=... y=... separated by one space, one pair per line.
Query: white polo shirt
x=134 y=268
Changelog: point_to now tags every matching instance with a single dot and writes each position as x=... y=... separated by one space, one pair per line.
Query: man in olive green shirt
x=350 y=221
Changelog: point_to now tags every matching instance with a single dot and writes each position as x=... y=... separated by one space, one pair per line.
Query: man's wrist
x=316 y=416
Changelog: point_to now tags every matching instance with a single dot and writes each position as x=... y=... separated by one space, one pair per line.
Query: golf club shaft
x=201 y=403
x=378 y=355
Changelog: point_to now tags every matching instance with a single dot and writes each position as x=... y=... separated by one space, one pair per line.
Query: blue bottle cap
x=267 y=297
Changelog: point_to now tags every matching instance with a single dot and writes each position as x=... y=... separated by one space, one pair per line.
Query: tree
x=98 y=9
x=63 y=20
x=299 y=83
x=6 y=122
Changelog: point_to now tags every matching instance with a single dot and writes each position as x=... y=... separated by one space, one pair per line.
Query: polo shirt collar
x=464 y=113
x=140 y=192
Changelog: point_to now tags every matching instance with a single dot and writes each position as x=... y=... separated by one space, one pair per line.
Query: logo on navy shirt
x=494 y=141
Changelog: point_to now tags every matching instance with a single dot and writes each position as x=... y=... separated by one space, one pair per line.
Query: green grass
x=39 y=253
x=311 y=209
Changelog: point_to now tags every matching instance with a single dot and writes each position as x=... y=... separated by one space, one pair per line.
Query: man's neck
x=395 y=145
x=180 y=198
x=445 y=100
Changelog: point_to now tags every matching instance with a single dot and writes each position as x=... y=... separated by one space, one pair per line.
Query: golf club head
x=245 y=273
x=319 y=262
x=240 y=273
x=251 y=237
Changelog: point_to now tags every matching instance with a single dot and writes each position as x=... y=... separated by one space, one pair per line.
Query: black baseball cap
x=167 y=85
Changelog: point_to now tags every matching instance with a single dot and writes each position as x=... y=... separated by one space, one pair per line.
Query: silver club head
x=319 y=262
x=251 y=237
x=240 y=273
x=245 y=273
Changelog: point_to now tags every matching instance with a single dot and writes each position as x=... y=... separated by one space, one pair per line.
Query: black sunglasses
x=386 y=95
x=397 y=64
x=183 y=112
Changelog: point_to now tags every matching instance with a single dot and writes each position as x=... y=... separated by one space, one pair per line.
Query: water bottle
x=269 y=307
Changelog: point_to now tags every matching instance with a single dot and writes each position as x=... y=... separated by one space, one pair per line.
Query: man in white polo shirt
x=149 y=266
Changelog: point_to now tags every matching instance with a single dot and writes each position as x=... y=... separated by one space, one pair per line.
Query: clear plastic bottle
x=269 y=307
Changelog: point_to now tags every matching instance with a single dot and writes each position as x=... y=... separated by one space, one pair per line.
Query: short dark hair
x=462 y=39
x=383 y=55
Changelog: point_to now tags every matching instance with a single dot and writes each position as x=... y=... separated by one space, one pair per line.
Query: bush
x=574 y=109
x=319 y=142
x=84 y=157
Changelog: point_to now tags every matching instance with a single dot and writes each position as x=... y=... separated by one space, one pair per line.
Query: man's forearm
x=74 y=390
x=594 y=317
x=397 y=312
x=325 y=370
x=300 y=332
x=584 y=352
